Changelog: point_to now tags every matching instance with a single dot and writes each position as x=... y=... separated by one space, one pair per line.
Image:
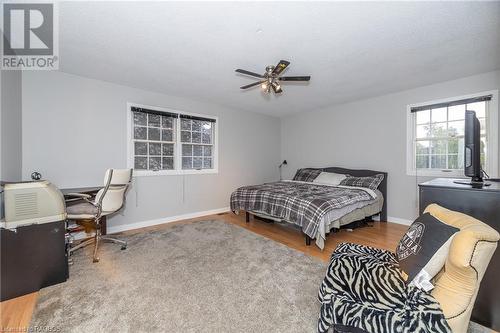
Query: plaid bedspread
x=303 y=204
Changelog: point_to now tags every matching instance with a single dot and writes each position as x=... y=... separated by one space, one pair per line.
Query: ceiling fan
x=271 y=78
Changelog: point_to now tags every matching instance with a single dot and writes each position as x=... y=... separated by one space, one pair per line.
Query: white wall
x=369 y=134
x=74 y=128
x=10 y=126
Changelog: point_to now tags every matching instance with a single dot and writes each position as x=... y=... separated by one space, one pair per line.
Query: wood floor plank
x=16 y=313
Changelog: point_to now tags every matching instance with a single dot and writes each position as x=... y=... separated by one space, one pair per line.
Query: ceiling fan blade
x=294 y=78
x=252 y=84
x=242 y=71
x=280 y=67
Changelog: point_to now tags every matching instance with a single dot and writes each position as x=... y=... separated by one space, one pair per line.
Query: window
x=197 y=146
x=163 y=141
x=436 y=135
x=154 y=136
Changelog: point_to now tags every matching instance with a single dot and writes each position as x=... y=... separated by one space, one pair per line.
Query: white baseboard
x=163 y=220
x=399 y=220
x=395 y=220
x=143 y=224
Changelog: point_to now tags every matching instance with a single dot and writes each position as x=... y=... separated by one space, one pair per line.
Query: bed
x=317 y=208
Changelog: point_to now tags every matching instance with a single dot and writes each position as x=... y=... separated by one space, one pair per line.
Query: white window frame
x=177 y=144
x=491 y=166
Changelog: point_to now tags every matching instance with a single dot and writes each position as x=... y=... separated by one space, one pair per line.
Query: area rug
x=207 y=276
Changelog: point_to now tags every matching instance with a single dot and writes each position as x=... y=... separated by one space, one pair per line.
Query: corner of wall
x=11 y=126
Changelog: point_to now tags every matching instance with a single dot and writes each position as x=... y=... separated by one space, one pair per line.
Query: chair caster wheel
x=124 y=247
x=95 y=260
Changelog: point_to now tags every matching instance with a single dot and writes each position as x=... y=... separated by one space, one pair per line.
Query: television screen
x=472 y=141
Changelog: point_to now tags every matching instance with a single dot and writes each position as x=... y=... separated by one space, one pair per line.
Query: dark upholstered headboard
x=366 y=173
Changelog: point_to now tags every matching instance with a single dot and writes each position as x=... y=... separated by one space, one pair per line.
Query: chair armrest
x=72 y=197
x=78 y=195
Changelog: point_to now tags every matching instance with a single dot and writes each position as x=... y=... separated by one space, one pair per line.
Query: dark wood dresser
x=483 y=204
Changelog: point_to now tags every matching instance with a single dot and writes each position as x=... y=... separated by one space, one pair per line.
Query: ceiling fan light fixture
x=276 y=87
x=264 y=86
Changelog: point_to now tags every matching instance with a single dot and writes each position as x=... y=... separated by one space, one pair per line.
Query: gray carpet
x=201 y=277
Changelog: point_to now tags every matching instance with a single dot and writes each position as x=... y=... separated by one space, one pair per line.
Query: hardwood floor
x=381 y=235
x=16 y=313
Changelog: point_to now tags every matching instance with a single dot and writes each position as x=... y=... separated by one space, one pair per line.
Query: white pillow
x=329 y=178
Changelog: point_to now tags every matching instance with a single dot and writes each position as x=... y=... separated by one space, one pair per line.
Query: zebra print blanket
x=301 y=203
x=363 y=288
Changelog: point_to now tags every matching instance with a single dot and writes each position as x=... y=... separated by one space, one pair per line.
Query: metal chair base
x=96 y=239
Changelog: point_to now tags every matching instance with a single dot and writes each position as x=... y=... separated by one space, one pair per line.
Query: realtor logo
x=29 y=36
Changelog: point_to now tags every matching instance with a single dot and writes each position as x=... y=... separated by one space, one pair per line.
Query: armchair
x=364 y=289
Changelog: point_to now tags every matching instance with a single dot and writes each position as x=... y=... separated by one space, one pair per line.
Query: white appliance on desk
x=28 y=203
x=32 y=238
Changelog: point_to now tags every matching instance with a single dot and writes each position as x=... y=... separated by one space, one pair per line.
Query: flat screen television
x=472 y=150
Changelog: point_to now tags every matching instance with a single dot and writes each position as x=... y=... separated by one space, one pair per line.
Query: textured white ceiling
x=352 y=50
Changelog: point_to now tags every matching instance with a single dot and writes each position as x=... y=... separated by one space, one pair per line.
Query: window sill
x=437 y=173
x=149 y=173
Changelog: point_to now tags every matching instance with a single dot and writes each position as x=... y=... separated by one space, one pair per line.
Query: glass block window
x=197 y=137
x=154 y=141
